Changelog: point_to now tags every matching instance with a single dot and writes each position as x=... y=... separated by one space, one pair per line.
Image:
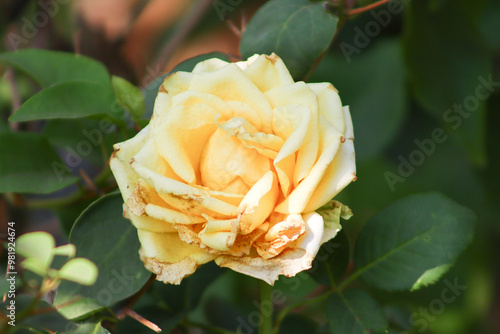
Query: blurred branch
x=10 y=75
x=195 y=13
x=366 y=8
x=139 y=318
x=284 y=312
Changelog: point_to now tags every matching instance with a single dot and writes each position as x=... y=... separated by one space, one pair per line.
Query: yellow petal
x=258 y=203
x=220 y=234
x=289 y=262
x=125 y=177
x=299 y=197
x=280 y=235
x=181 y=135
x=339 y=173
x=209 y=65
x=168 y=257
x=243 y=110
x=173 y=84
x=268 y=72
x=250 y=136
x=231 y=84
x=243 y=65
x=182 y=196
x=298 y=94
x=298 y=121
x=330 y=106
x=225 y=159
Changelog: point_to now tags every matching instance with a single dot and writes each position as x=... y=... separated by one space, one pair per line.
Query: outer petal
x=289 y=262
x=339 y=173
x=124 y=151
x=296 y=133
x=330 y=106
x=299 y=94
x=168 y=257
x=298 y=199
x=268 y=72
x=182 y=196
x=209 y=65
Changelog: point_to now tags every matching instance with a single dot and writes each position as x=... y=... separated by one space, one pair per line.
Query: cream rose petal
x=148 y=223
x=298 y=119
x=168 y=257
x=125 y=177
x=329 y=145
x=300 y=94
x=339 y=173
x=289 y=262
x=330 y=106
x=180 y=136
x=209 y=65
x=241 y=89
x=272 y=69
x=220 y=234
x=181 y=195
x=225 y=159
x=258 y=203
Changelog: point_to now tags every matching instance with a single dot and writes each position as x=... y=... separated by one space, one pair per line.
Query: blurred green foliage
x=422 y=81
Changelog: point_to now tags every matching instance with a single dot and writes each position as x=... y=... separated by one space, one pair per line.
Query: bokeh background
x=422 y=79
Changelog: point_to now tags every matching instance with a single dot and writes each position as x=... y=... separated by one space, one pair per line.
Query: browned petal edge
x=241 y=246
x=135 y=203
x=171 y=273
x=289 y=263
x=273 y=58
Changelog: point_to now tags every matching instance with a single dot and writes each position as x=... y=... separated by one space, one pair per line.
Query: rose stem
x=266 y=314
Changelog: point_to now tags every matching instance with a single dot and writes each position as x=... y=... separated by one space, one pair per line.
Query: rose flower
x=233 y=166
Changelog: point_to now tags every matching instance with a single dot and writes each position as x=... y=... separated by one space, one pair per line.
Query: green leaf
x=44 y=318
x=298 y=31
x=447 y=60
x=431 y=276
x=88 y=139
x=330 y=264
x=38 y=246
x=52 y=67
x=79 y=270
x=102 y=235
x=30 y=165
x=353 y=312
x=295 y=323
x=129 y=97
x=187 y=65
x=71 y=99
x=68 y=250
x=87 y=328
x=407 y=238
x=373 y=86
x=490 y=25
